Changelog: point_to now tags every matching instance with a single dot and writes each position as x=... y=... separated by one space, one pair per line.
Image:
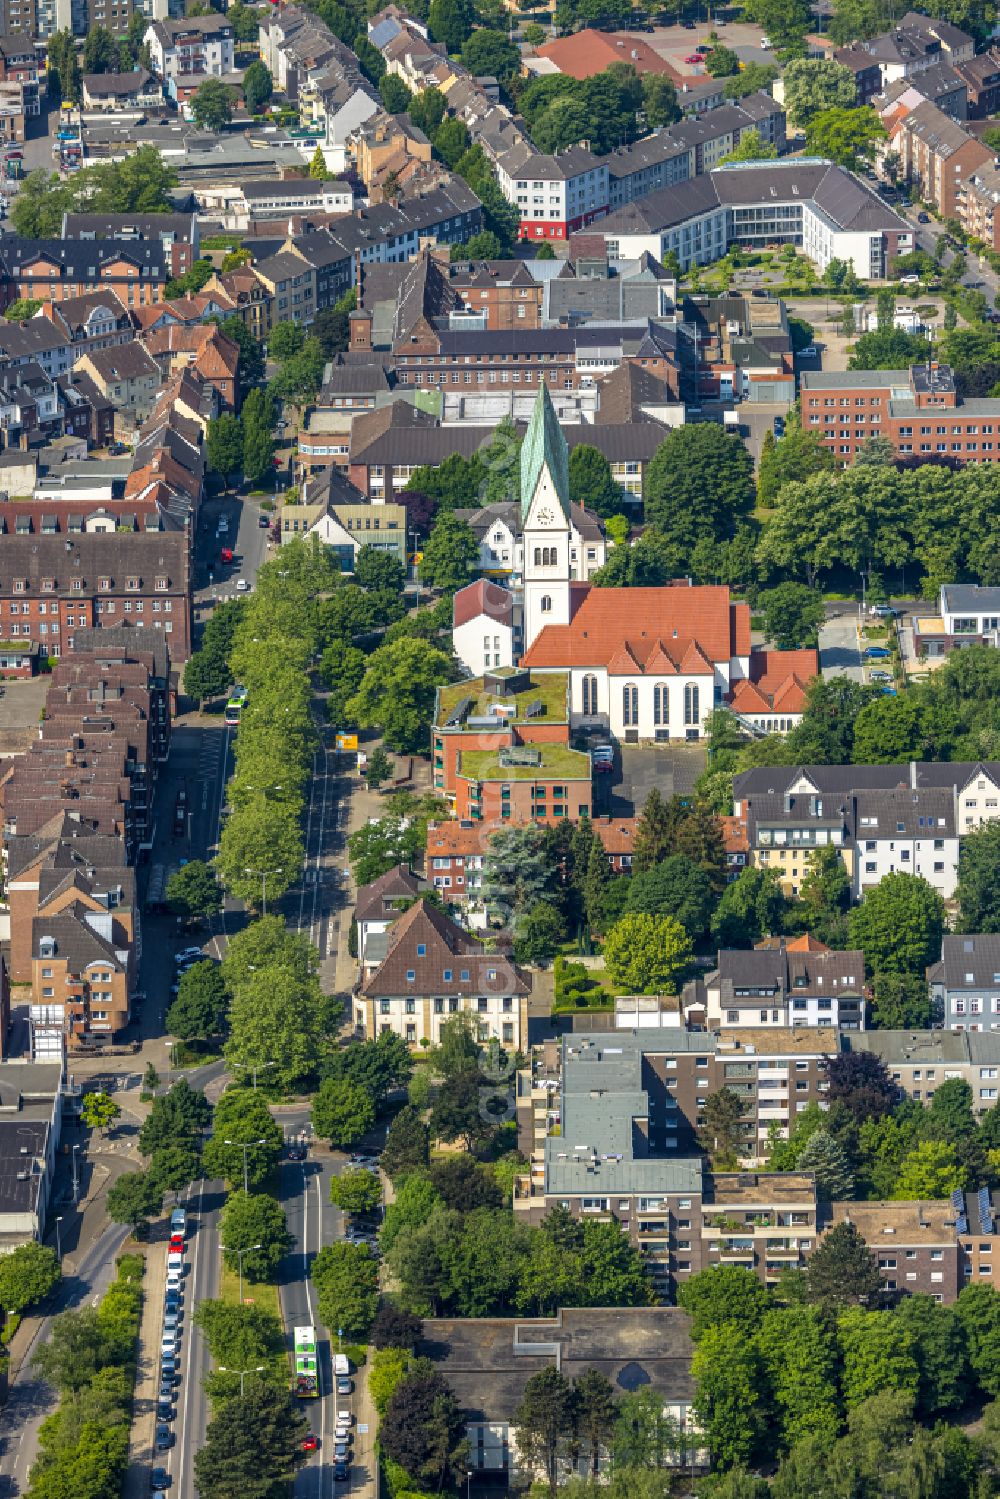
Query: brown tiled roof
x=483 y=598
x=399 y=883
x=450 y=962
x=455 y=839
x=590 y=52
x=622 y=393
x=617 y=834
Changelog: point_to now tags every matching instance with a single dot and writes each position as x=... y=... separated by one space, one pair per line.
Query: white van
x=178 y=1222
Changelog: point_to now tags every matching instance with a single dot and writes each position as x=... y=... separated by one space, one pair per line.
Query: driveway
x=839 y=653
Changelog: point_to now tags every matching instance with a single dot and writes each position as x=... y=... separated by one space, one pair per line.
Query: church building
x=643 y=663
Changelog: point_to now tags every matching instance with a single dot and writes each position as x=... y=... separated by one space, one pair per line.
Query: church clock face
x=545 y=516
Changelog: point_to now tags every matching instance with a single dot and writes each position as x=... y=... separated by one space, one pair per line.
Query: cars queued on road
x=170 y=1343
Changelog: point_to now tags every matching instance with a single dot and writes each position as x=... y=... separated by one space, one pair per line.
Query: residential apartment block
x=965 y=982
x=937 y=156
x=782 y=983
x=52 y=585
x=882 y=819
x=202 y=45
x=692 y=147
x=607 y=1121
x=433 y=969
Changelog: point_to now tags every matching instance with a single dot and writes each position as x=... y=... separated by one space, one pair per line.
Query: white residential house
x=906 y=832
x=197 y=44
x=486 y=629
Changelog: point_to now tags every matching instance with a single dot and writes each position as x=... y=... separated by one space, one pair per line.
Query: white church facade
x=643 y=663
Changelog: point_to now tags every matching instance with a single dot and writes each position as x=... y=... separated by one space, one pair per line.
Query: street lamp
x=239 y=1253
x=262 y=874
x=257 y=1369
x=238 y=1145
x=76 y=1177
x=253 y=1071
x=58 y=1239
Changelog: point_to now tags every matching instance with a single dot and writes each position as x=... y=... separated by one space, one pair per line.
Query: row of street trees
x=273 y=646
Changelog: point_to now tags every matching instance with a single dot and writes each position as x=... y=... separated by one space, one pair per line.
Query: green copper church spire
x=544 y=447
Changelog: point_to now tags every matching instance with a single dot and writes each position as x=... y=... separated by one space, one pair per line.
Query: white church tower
x=545 y=519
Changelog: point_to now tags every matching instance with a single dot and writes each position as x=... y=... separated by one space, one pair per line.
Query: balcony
x=741 y=1252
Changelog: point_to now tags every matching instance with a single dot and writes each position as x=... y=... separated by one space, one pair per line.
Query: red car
x=177 y=1244
x=695 y=57
x=226 y=555
x=310 y=1443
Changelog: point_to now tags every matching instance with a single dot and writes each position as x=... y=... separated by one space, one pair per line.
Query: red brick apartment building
x=937 y=156
x=51 y=586
x=919 y=411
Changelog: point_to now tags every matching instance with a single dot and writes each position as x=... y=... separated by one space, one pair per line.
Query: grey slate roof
x=968 y=962
x=971 y=599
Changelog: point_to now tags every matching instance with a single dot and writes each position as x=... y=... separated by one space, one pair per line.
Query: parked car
x=310 y=1443
x=178 y=1222
x=297 y=1152
x=159 y=1479
x=765 y=42
x=881 y=676
x=223 y=525
x=877 y=653
x=602 y=758
x=923 y=218
x=263 y=522
x=809 y=352
x=226 y=554
x=694 y=58
x=173 y=1279
x=341 y=1450
x=164 y=1438
x=341 y=1472
x=344 y=1385
x=165 y=1409
x=883 y=611
x=171 y=1320
x=242 y=586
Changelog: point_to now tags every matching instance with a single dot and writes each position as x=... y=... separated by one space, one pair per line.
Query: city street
x=30 y=1399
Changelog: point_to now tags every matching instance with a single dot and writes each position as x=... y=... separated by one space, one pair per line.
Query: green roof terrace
x=481 y=697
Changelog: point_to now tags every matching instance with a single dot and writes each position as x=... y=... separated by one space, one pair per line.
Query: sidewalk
x=143 y=1432
x=364 y=1460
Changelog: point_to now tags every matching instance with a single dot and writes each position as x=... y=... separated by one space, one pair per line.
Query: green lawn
x=261 y=1293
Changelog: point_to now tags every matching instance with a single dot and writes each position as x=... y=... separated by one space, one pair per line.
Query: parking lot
x=671 y=768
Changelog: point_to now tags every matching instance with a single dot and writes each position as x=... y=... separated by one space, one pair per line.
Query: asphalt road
x=31 y=1400
x=203 y=1201
x=304 y=1190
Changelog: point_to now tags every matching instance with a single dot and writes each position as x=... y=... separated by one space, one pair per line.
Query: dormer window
x=77 y=585
x=162 y=584
x=132 y=584
x=104 y=584
x=48 y=585
x=20 y=585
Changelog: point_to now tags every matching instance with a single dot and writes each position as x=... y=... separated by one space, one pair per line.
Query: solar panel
x=962 y=1224
x=985 y=1210
x=958 y=1200
x=459 y=711
x=535 y=708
